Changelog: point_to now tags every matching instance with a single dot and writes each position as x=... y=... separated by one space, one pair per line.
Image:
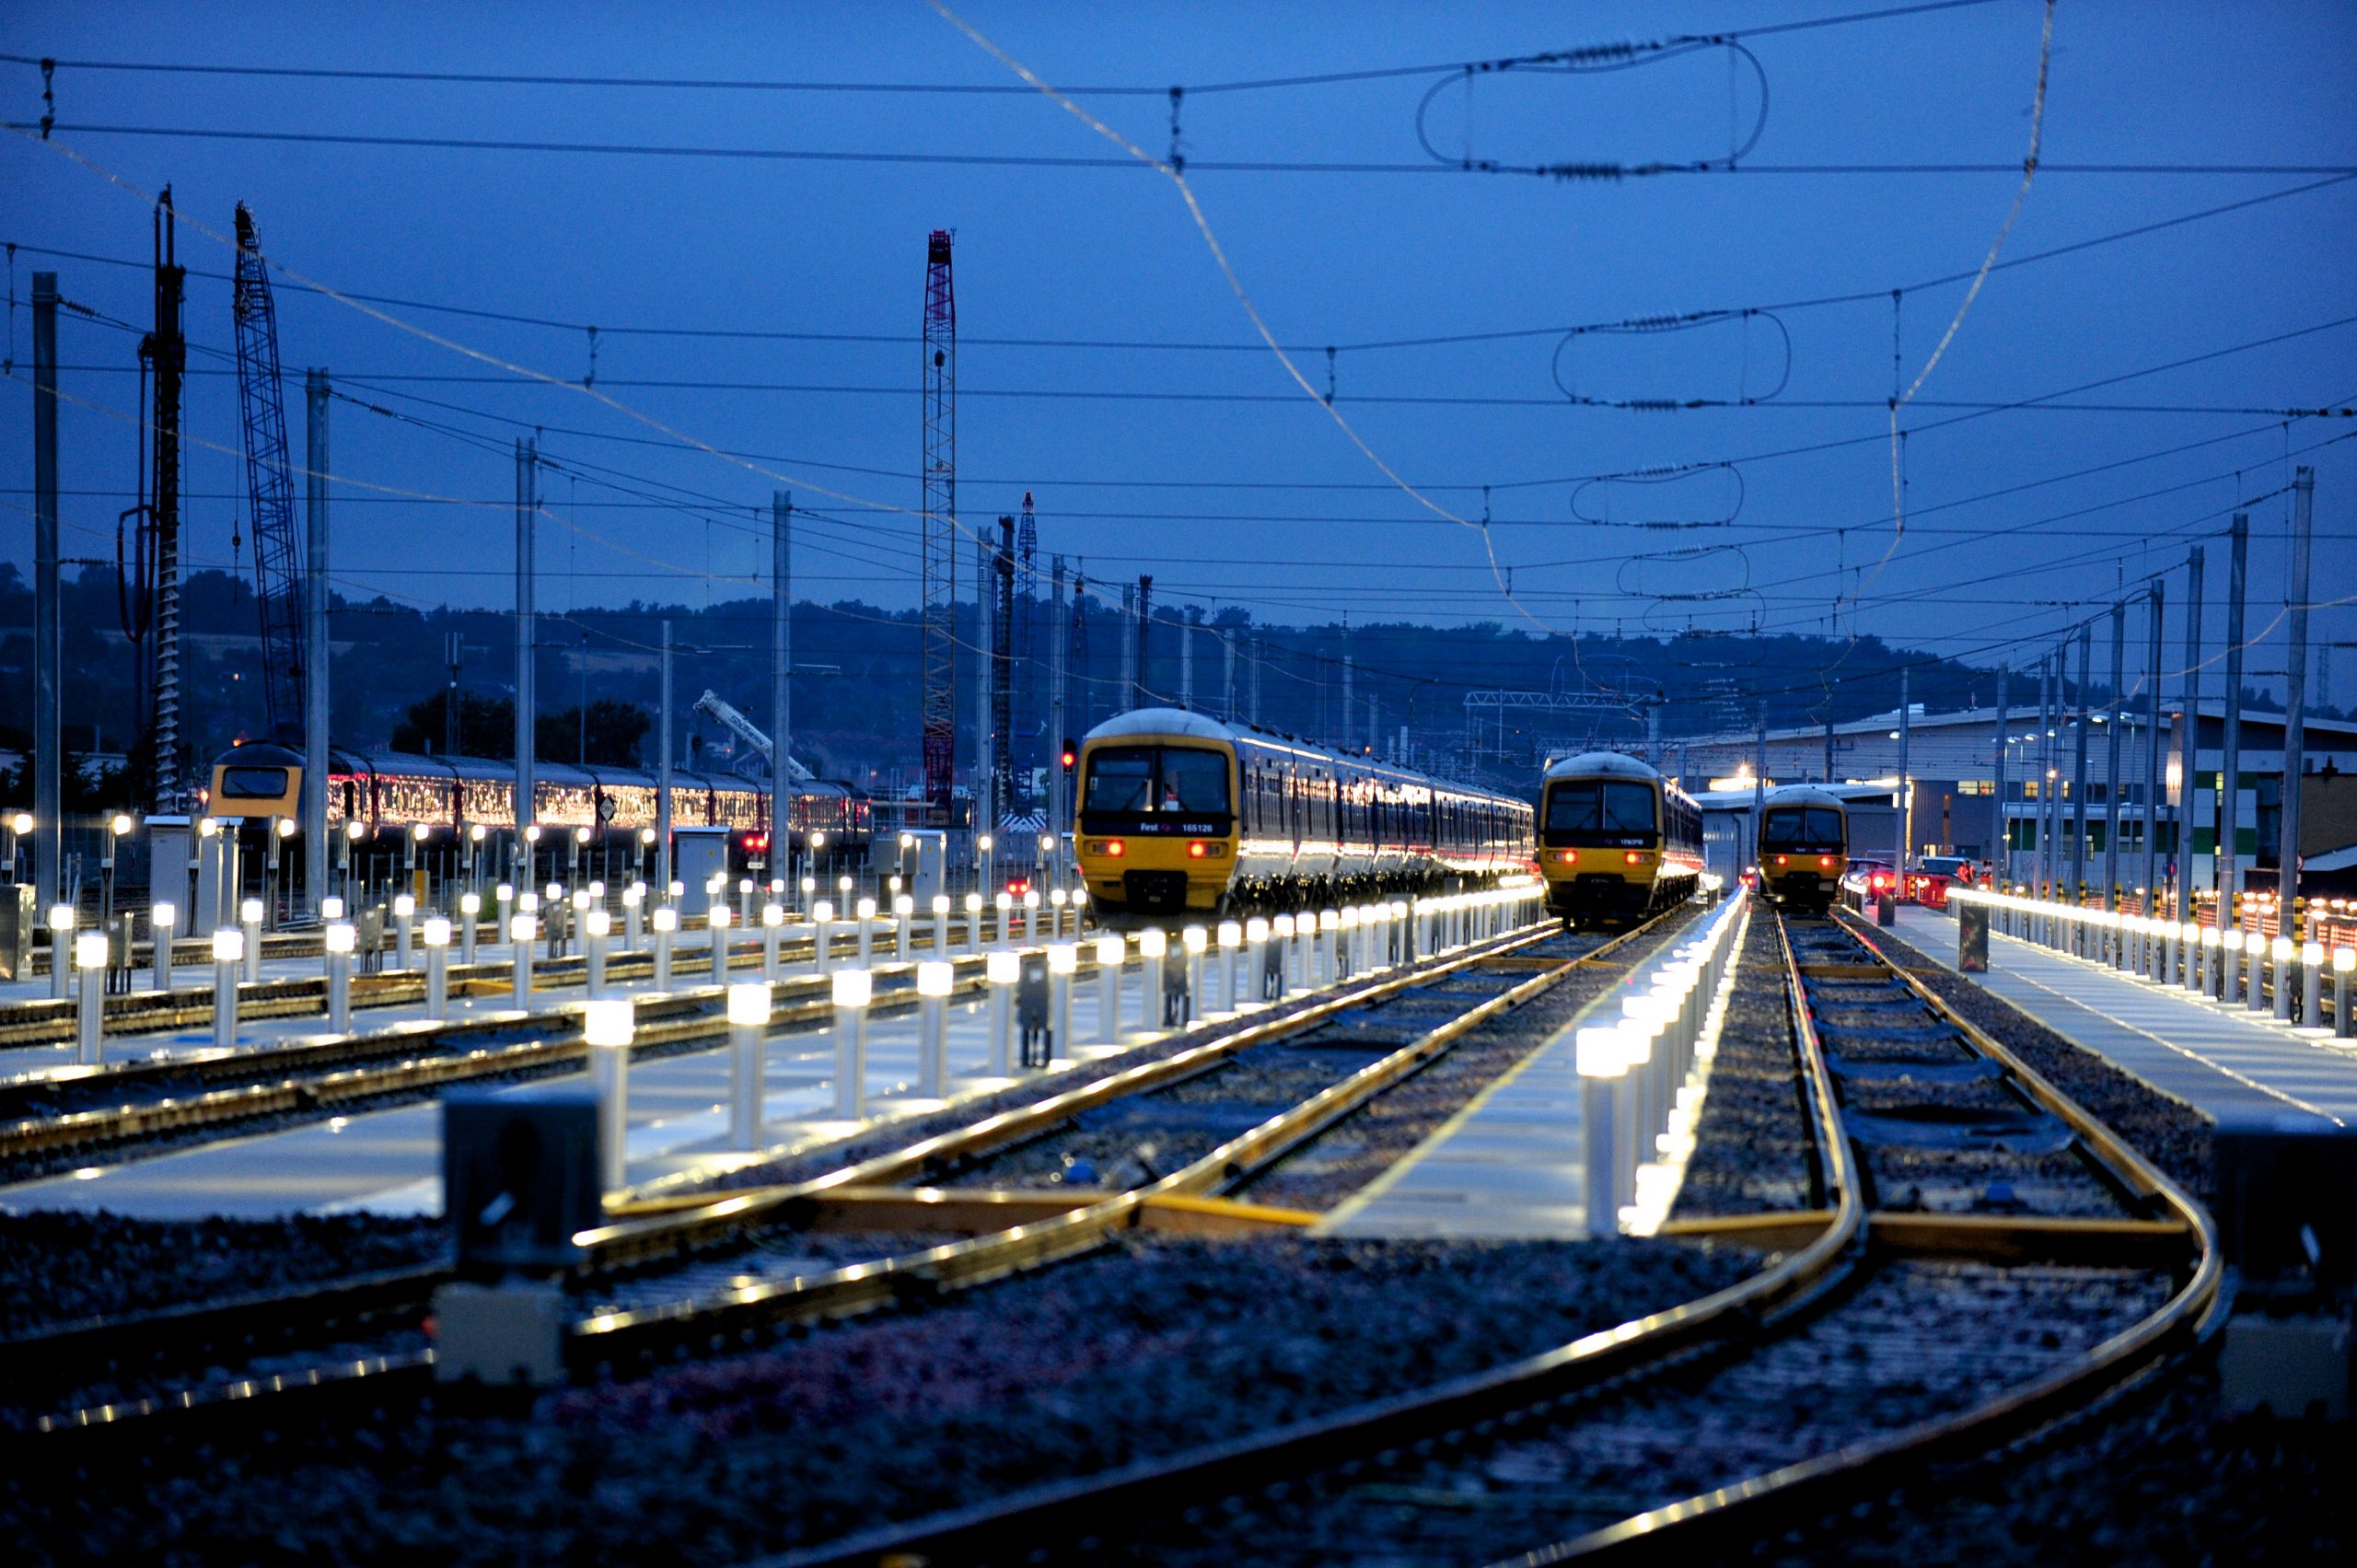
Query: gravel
x=1754 y=1151
x=59 y=1268
x=1142 y=1349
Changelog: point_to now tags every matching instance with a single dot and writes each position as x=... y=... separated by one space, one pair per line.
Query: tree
x=615 y=731
x=486 y=728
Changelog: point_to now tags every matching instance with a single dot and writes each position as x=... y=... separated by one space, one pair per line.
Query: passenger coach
x=1177 y=813
x=1803 y=847
x=1617 y=841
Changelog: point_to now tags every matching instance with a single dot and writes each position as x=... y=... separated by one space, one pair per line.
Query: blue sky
x=1263 y=504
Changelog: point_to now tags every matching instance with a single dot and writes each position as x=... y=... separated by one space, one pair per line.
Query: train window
x=1815 y=826
x=1599 y=806
x=1155 y=778
x=1193 y=779
x=1120 y=778
x=253 y=783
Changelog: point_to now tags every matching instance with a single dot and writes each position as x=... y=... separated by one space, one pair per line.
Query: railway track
x=689 y=1275
x=1991 y=1259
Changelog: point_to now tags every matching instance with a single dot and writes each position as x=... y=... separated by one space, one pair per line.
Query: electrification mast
x=938 y=566
x=278 y=581
x=1023 y=736
x=1002 y=686
x=152 y=570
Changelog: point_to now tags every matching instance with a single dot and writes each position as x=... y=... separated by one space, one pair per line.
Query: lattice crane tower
x=278 y=581
x=938 y=659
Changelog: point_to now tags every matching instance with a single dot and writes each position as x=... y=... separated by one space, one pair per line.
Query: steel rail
x=2187 y=1317
x=1071 y=1508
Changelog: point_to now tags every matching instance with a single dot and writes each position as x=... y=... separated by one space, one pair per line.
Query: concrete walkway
x=2241 y=1068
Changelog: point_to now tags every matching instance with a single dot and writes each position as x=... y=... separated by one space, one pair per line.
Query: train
x=388 y=791
x=1178 y=814
x=1804 y=848
x=1617 y=842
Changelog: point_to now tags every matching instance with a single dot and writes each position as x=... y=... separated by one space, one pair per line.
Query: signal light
x=1070 y=755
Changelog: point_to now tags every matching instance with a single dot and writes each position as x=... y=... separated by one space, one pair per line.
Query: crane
x=938 y=586
x=278 y=584
x=724 y=712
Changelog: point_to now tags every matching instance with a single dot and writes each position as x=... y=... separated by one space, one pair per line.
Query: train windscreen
x=1155 y=778
x=1814 y=829
x=253 y=783
x=1599 y=806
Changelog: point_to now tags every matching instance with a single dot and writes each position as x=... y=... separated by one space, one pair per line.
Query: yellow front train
x=1181 y=813
x=1616 y=840
x=1804 y=848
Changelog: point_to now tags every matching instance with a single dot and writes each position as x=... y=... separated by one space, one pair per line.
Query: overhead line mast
x=939 y=556
x=278 y=582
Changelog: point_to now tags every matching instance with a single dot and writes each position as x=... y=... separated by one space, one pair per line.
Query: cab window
x=1600 y=807
x=253 y=783
x=1809 y=829
x=1155 y=778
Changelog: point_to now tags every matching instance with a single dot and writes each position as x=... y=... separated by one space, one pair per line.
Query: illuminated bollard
x=1195 y=939
x=745 y=900
x=666 y=926
x=1031 y=916
x=1630 y=1136
x=340 y=939
x=851 y=990
x=228 y=954
x=1255 y=958
x=1003 y=906
x=250 y=920
x=973 y=923
x=2344 y=961
x=2212 y=981
x=1057 y=899
x=1597 y=1053
x=404 y=919
x=582 y=903
x=469 y=915
x=633 y=917
x=1330 y=921
x=521 y=930
x=904 y=915
x=935 y=977
x=822 y=936
x=1154 y=1005
x=1110 y=952
x=1280 y=979
x=810 y=892
x=1647 y=1016
x=1063 y=962
x=437 y=935
x=717 y=923
x=607 y=1027
x=2280 y=951
x=1416 y=940
x=941 y=925
x=773 y=931
x=2230 y=960
x=161 y=918
x=90 y=1009
x=866 y=914
x=2312 y=985
x=596 y=927
x=748 y=1022
x=1001 y=970
x=1231 y=942
x=2255 y=971
x=61 y=921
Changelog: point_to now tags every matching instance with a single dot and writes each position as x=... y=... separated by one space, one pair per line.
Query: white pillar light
x=1110 y=952
x=904 y=911
x=597 y=927
x=1231 y=942
x=1063 y=962
x=850 y=991
x=250 y=918
x=521 y=931
x=161 y=918
x=436 y=934
x=89 y=1009
x=748 y=1022
x=339 y=939
x=1194 y=940
x=865 y=910
x=935 y=977
x=1598 y=1055
x=1000 y=971
x=1154 y=947
x=228 y=953
x=606 y=1026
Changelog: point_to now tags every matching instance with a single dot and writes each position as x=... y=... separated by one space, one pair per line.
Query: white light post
x=1000 y=971
x=1063 y=962
x=851 y=990
x=748 y=1022
x=1111 y=951
x=1231 y=939
x=810 y=891
x=772 y=929
x=1281 y=931
x=1596 y=1054
x=607 y=1027
x=2344 y=962
x=89 y=1011
x=716 y=921
x=521 y=930
x=865 y=912
x=904 y=913
x=666 y=926
x=2312 y=986
x=2254 y=975
x=161 y=918
x=503 y=899
x=941 y=925
x=404 y=914
x=744 y=900
x=822 y=934
x=1031 y=916
x=249 y=921
x=340 y=939
x=1346 y=941
x=1154 y=947
x=633 y=916
x=1255 y=958
x=934 y=977
x=437 y=935
x=470 y=918
x=2280 y=951
x=1056 y=902
x=1194 y=940
x=1004 y=903
x=1330 y=921
x=595 y=927
x=228 y=953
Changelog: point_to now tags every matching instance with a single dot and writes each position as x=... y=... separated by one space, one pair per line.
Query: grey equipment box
x=18 y=915
x=519 y=1177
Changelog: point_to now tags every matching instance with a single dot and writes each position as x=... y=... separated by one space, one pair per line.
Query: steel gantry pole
x=2050 y=773
x=526 y=499
x=2154 y=607
x=1058 y=803
x=2295 y=712
x=1906 y=786
x=781 y=681
x=2079 y=769
x=2003 y=856
x=2111 y=758
x=47 y=645
x=2188 y=742
x=661 y=891
x=314 y=808
x=2229 y=761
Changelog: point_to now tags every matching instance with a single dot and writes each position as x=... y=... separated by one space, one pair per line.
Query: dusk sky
x=1159 y=434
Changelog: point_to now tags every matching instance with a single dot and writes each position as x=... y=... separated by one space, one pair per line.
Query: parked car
x=1867 y=879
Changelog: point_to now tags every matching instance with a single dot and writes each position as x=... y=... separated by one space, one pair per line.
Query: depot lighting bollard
x=1632 y=1136
x=1057 y=899
x=2255 y=973
x=865 y=912
x=1281 y=972
x=521 y=930
x=1063 y=962
x=850 y=991
x=773 y=930
x=1255 y=958
x=1004 y=905
x=2230 y=970
x=2280 y=949
x=437 y=935
x=633 y=916
x=748 y=1022
x=1330 y=921
x=503 y=896
x=1001 y=971
x=597 y=927
x=228 y=953
x=89 y=1009
x=935 y=977
x=941 y=925
x=1596 y=1054
x=2312 y=986
x=341 y=940
x=161 y=918
x=605 y=1027
x=1195 y=940
x=1231 y=942
x=2344 y=963
x=470 y=917
x=666 y=926
x=62 y=921
x=1414 y=940
x=1110 y=952
x=404 y=915
x=1153 y=951
x=716 y=921
x=250 y=920
x=973 y=923
x=1031 y=916
x=904 y=913
x=745 y=900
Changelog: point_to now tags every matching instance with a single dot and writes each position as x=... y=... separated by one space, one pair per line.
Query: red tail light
x=1825 y=861
x=1115 y=848
x=1196 y=849
x=1634 y=857
x=1882 y=879
x=1569 y=856
x=1783 y=859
